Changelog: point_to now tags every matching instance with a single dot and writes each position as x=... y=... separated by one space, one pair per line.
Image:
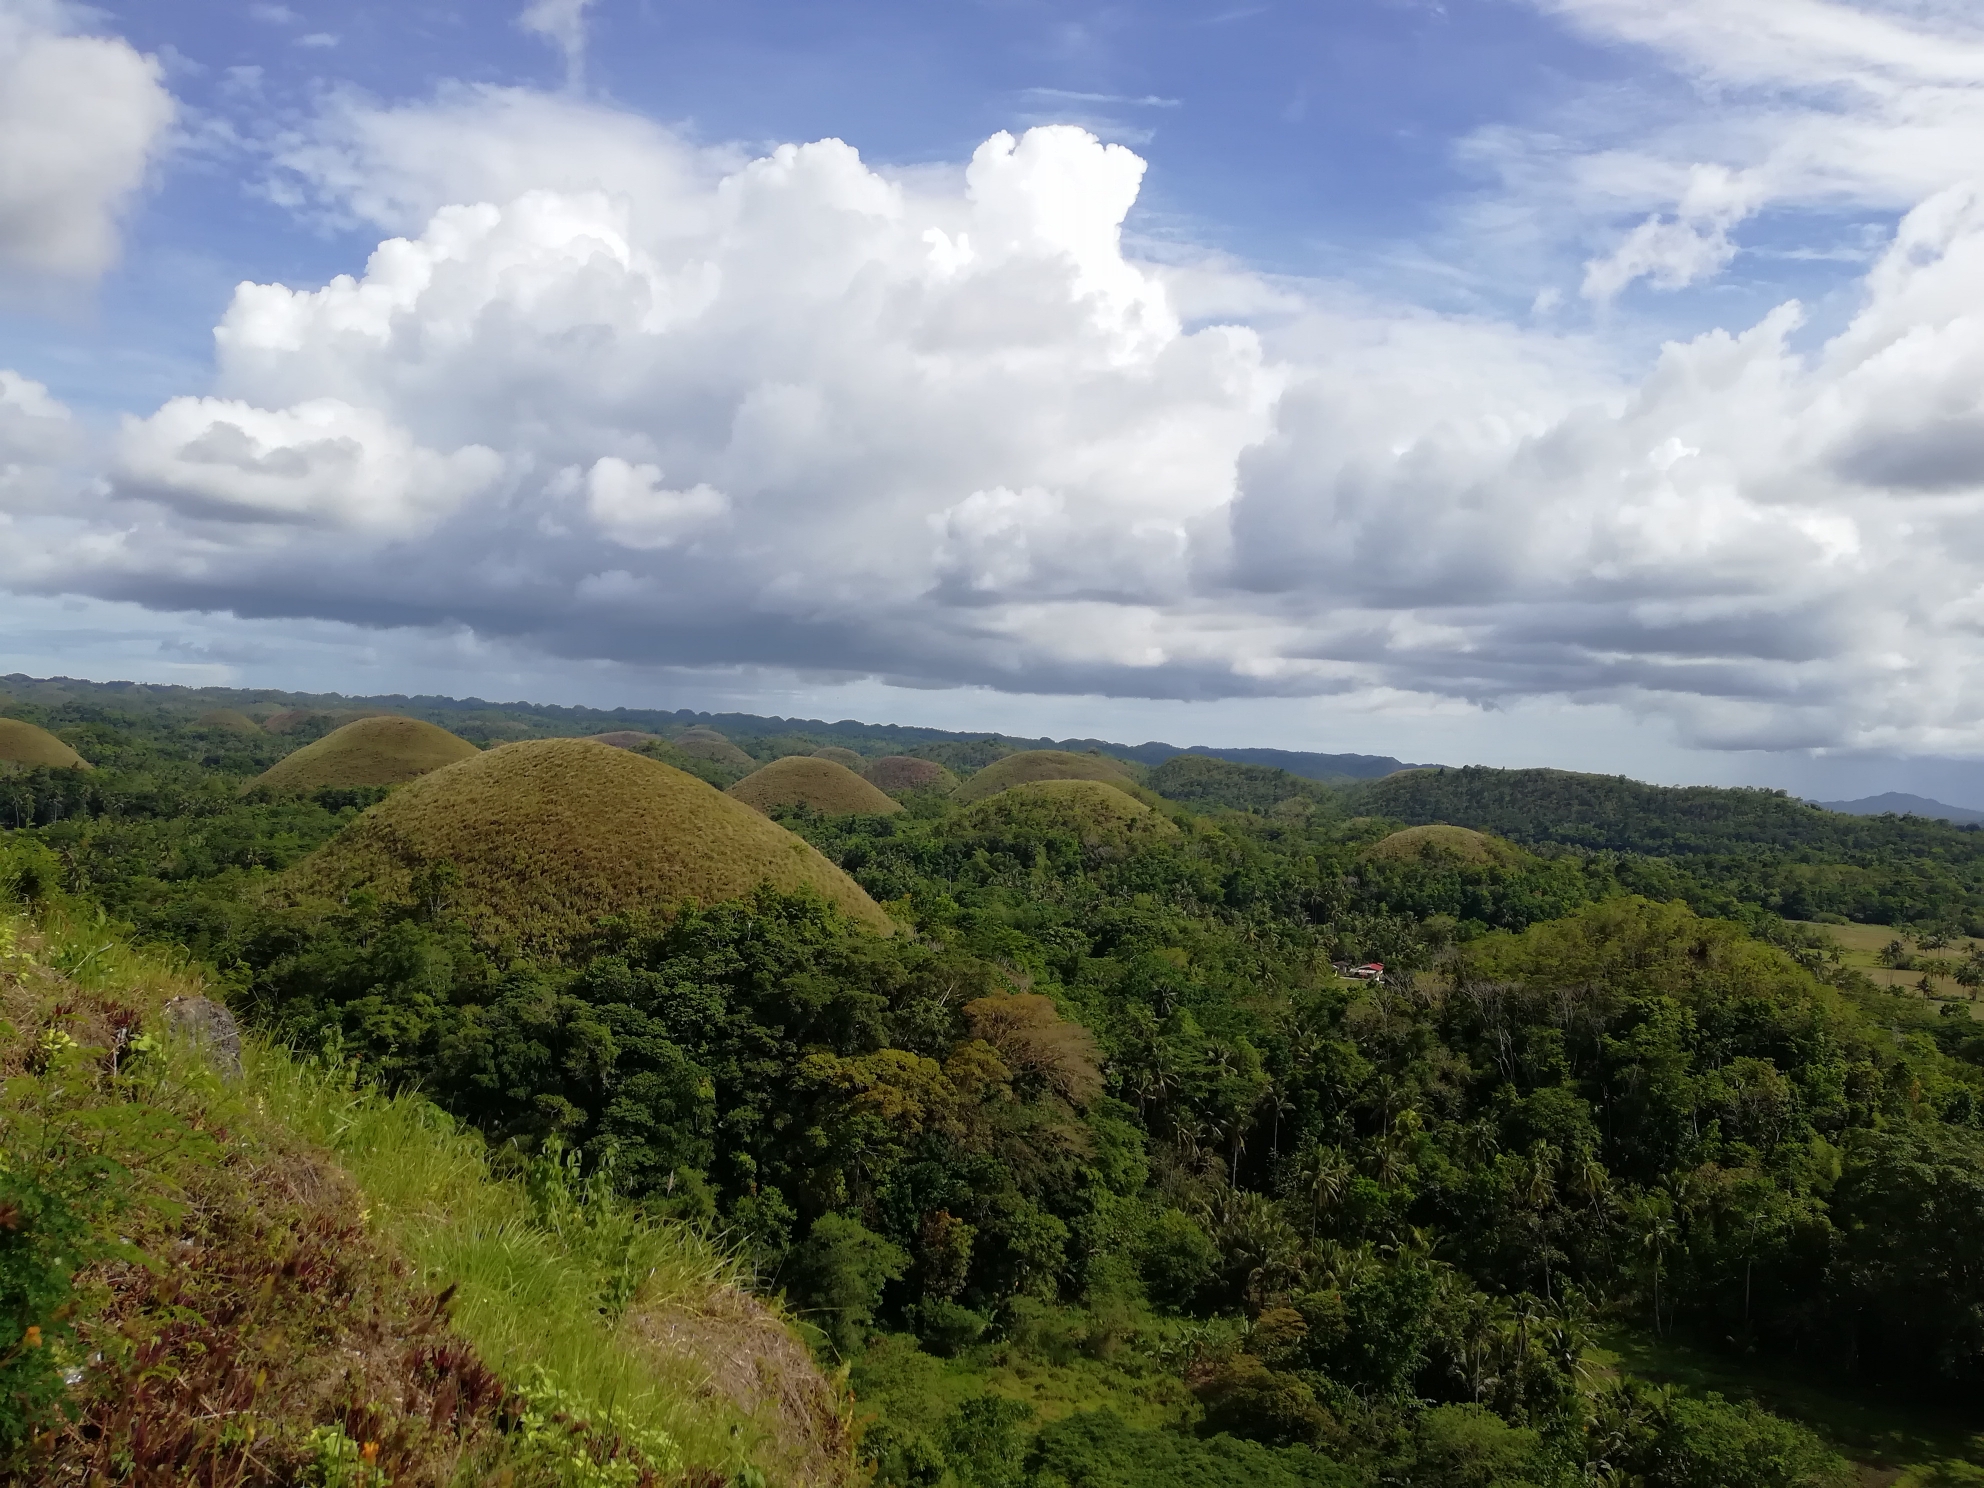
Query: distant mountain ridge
x=1900 y=803
x=538 y=719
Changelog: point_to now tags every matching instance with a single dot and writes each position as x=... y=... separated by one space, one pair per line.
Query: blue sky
x=1578 y=382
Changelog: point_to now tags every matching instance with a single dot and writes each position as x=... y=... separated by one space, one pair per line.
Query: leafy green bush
x=42 y=1243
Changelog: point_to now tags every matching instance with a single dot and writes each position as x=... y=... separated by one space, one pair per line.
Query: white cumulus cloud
x=318 y=463
x=81 y=117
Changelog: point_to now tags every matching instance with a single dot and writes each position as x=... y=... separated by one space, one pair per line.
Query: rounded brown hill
x=841 y=756
x=1043 y=764
x=1093 y=810
x=807 y=780
x=372 y=751
x=905 y=772
x=1433 y=844
x=228 y=721
x=625 y=738
x=25 y=747
x=549 y=834
x=707 y=743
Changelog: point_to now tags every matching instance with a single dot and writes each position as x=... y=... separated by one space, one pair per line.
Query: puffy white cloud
x=319 y=463
x=635 y=510
x=619 y=398
x=80 y=118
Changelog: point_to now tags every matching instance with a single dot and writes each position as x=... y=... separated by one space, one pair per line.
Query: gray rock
x=210 y=1028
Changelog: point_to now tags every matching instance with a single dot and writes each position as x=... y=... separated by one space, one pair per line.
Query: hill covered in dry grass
x=1098 y=813
x=827 y=786
x=903 y=772
x=25 y=747
x=550 y=834
x=1030 y=765
x=1432 y=843
x=369 y=751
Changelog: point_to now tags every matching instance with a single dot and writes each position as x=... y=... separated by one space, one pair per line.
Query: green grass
x=1860 y=947
x=25 y=746
x=529 y=1289
x=369 y=751
x=1894 y=1440
x=549 y=834
x=1030 y=765
x=827 y=786
x=840 y=756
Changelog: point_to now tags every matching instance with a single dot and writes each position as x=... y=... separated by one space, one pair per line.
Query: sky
x=1586 y=383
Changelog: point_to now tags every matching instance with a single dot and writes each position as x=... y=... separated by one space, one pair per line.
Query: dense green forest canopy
x=1098 y=1173
x=1744 y=846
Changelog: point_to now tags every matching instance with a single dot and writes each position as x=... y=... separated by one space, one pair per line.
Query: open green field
x=1891 y=1440
x=1860 y=947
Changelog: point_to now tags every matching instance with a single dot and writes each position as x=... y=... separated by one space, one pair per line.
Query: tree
x=843 y=1268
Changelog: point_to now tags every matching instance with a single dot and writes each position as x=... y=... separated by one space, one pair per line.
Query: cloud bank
x=608 y=395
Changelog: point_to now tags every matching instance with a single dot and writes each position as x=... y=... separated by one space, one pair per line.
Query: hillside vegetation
x=822 y=785
x=286 y=1279
x=229 y=720
x=367 y=751
x=533 y=842
x=1099 y=1173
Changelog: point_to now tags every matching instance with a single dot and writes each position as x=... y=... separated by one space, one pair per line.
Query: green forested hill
x=1755 y=846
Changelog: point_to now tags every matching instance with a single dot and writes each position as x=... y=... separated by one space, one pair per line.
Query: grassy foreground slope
x=286 y=1278
x=547 y=835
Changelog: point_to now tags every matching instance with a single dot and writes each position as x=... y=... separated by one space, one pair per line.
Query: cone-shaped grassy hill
x=841 y=756
x=905 y=772
x=707 y=743
x=807 y=780
x=625 y=738
x=25 y=747
x=372 y=751
x=1432 y=844
x=1093 y=810
x=549 y=834
x=229 y=721
x=1043 y=764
